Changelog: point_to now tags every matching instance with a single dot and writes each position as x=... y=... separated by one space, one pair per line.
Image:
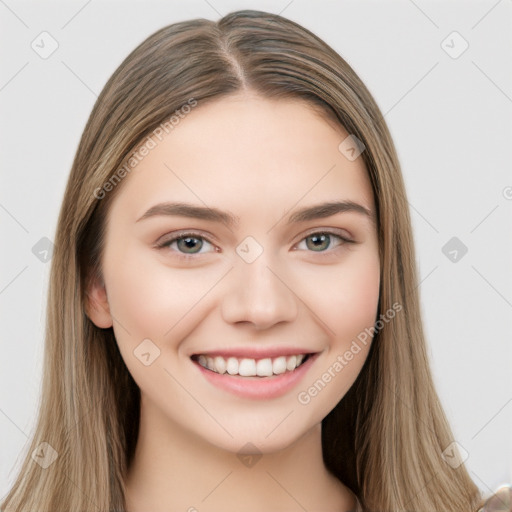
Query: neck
x=175 y=470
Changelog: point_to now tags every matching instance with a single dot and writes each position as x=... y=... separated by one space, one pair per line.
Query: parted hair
x=385 y=438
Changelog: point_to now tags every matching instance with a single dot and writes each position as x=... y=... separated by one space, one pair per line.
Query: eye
x=187 y=244
x=320 y=241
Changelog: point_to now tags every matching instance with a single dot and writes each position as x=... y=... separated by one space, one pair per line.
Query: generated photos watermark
x=150 y=142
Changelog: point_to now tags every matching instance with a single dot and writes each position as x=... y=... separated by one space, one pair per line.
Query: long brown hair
x=385 y=438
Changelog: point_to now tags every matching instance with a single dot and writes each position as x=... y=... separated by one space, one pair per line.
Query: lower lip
x=258 y=387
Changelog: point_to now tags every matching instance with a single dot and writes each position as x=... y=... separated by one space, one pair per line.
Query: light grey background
x=451 y=122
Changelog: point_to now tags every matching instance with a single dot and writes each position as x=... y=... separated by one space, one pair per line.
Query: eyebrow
x=318 y=211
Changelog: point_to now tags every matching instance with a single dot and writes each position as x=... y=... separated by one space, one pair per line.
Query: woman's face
x=262 y=276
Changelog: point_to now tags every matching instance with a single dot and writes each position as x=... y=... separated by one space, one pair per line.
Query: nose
x=259 y=294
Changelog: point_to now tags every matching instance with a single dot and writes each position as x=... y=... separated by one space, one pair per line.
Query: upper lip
x=255 y=353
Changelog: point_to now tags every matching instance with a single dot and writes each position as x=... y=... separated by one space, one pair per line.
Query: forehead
x=247 y=152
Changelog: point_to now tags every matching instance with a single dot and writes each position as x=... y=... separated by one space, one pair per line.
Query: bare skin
x=262 y=161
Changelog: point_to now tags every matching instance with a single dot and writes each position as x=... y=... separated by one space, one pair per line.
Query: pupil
x=319 y=238
x=189 y=243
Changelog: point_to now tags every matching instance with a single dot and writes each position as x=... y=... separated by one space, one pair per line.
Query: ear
x=96 y=304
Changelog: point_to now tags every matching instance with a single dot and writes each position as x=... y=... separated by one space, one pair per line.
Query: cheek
x=355 y=297
x=148 y=300
x=347 y=307
x=147 y=297
x=345 y=299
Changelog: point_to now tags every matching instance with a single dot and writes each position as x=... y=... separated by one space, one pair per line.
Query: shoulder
x=500 y=501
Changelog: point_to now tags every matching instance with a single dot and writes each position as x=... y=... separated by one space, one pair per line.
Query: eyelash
x=198 y=236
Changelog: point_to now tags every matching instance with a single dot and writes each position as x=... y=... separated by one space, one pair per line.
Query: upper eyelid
x=333 y=231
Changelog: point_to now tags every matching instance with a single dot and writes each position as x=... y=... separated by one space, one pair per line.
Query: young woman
x=233 y=317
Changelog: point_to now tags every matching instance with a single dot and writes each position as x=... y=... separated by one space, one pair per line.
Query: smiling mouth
x=247 y=367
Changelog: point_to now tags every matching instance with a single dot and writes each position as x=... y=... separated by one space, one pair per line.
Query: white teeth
x=264 y=367
x=279 y=365
x=232 y=366
x=291 y=363
x=247 y=367
x=220 y=364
